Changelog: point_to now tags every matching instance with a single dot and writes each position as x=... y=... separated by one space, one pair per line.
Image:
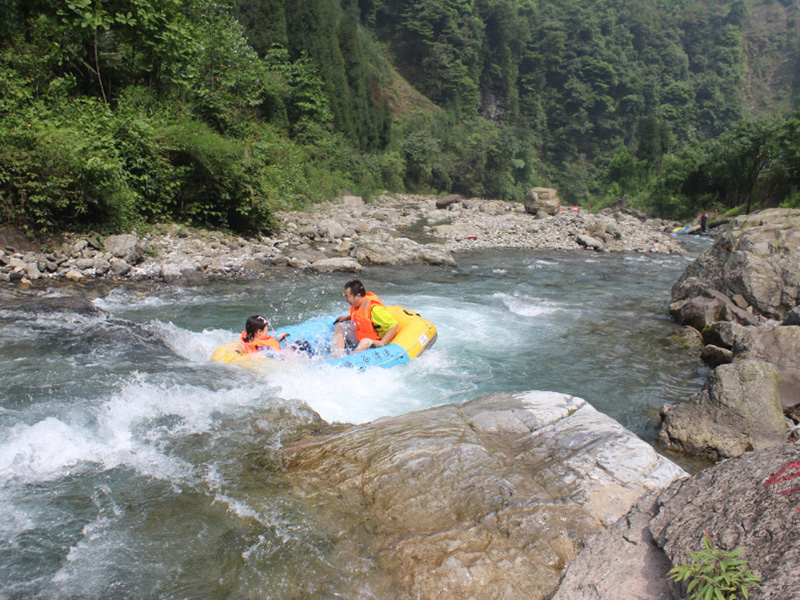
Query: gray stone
x=171 y=272
x=84 y=263
x=589 y=242
x=757 y=257
x=331 y=230
x=335 y=265
x=715 y=356
x=792 y=317
x=119 y=267
x=621 y=563
x=446 y=201
x=750 y=502
x=124 y=246
x=706 y=307
x=687 y=337
x=542 y=201
x=738 y=410
x=102 y=266
x=781 y=347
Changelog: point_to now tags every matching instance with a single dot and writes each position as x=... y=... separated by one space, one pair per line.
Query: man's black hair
x=356 y=287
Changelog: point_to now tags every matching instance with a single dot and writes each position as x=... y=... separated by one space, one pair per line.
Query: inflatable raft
x=414 y=336
x=688 y=229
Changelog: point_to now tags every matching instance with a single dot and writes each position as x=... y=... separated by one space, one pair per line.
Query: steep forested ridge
x=119 y=113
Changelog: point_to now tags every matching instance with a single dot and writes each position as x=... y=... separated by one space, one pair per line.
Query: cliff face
x=772 y=56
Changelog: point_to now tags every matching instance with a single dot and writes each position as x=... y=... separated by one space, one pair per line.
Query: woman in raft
x=256 y=338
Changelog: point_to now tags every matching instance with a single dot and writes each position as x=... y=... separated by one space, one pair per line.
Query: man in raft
x=369 y=324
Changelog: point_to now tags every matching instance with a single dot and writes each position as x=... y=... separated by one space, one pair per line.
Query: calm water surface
x=132 y=467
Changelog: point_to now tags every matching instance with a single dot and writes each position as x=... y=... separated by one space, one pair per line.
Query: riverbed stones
x=390 y=229
x=490 y=499
x=738 y=410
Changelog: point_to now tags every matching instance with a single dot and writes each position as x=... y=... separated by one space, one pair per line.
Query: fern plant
x=715 y=574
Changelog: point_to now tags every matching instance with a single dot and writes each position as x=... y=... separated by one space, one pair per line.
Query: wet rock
x=687 y=337
x=738 y=410
x=489 y=499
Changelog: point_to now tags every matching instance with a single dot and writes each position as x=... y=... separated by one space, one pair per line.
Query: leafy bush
x=715 y=574
x=61 y=170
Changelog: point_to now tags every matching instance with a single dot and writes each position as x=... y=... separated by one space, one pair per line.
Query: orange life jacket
x=362 y=317
x=256 y=345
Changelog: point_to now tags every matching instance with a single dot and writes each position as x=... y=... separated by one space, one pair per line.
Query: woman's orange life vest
x=362 y=317
x=256 y=345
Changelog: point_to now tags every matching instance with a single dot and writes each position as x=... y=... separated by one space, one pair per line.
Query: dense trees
x=116 y=113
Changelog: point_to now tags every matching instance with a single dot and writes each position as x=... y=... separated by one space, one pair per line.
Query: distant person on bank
x=703 y=221
x=369 y=324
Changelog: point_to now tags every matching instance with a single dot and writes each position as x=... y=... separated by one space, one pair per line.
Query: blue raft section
x=689 y=229
x=414 y=336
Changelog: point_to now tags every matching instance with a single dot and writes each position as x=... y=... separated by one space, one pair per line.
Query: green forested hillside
x=119 y=113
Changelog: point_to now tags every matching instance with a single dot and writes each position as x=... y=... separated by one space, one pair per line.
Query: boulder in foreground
x=489 y=499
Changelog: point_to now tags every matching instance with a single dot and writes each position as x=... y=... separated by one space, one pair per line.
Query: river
x=132 y=467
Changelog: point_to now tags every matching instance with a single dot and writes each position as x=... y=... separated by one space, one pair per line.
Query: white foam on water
x=541 y=264
x=45 y=450
x=191 y=345
x=526 y=306
x=126 y=430
x=92 y=560
x=118 y=299
x=345 y=395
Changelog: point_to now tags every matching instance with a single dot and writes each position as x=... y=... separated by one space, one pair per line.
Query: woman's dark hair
x=253 y=326
x=356 y=288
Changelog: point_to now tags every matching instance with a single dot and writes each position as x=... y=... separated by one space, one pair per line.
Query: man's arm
x=383 y=321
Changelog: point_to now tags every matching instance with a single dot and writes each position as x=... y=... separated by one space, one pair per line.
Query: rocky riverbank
x=343 y=235
x=739 y=304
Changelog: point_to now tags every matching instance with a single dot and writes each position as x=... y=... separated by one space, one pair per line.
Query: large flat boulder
x=489 y=499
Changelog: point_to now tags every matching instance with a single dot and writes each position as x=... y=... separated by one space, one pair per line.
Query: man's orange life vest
x=362 y=317
x=254 y=346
